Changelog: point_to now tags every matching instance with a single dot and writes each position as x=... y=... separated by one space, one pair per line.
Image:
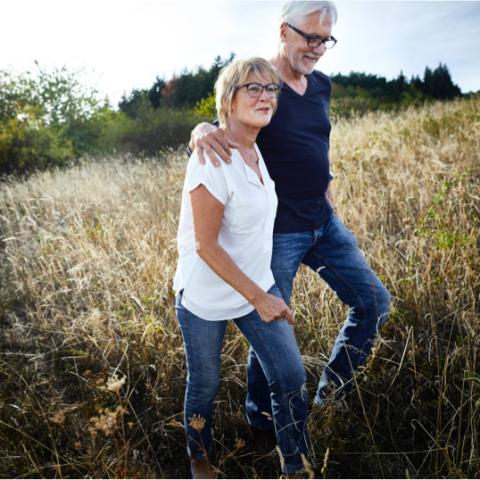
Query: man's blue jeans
x=277 y=356
x=333 y=252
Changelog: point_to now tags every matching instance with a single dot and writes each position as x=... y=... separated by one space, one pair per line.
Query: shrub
x=46 y=119
x=26 y=144
x=152 y=132
x=206 y=107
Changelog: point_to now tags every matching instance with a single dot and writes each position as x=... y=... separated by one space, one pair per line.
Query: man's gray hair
x=294 y=10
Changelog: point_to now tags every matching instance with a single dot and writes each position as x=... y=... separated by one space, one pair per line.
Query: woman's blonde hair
x=236 y=74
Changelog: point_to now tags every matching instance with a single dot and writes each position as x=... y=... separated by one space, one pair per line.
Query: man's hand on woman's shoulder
x=208 y=139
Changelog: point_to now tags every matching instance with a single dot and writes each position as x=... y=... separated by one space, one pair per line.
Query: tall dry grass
x=92 y=367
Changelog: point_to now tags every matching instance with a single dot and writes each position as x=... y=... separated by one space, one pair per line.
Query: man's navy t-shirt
x=295 y=148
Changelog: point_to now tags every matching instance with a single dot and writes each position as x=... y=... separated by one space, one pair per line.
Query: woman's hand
x=271 y=308
x=207 y=138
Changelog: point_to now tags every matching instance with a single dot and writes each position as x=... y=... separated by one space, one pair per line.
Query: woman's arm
x=207 y=219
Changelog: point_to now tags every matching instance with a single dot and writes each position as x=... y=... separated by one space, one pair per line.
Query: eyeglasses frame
x=264 y=88
x=309 y=38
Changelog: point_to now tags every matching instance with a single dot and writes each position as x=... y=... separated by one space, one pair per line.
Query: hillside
x=92 y=367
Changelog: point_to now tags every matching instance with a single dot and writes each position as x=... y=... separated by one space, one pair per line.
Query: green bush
x=47 y=119
x=153 y=131
x=26 y=144
x=206 y=107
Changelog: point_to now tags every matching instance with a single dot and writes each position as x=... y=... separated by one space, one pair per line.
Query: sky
x=118 y=45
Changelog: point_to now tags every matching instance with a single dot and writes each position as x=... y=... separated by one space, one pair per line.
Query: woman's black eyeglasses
x=255 y=89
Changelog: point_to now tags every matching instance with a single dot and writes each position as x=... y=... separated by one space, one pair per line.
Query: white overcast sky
x=119 y=45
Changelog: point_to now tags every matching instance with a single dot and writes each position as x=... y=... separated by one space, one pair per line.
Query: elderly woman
x=223 y=273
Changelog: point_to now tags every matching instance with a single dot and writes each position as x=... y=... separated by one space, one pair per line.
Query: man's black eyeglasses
x=314 y=41
x=255 y=89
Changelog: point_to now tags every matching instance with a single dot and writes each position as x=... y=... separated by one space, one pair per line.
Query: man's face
x=300 y=56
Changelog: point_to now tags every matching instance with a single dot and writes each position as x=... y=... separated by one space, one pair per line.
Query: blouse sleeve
x=213 y=178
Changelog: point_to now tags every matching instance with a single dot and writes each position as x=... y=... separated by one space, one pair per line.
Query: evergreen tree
x=442 y=86
x=155 y=92
x=400 y=84
x=136 y=104
x=417 y=83
x=185 y=90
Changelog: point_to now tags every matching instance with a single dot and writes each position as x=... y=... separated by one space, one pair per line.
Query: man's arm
x=329 y=197
x=328 y=193
x=207 y=218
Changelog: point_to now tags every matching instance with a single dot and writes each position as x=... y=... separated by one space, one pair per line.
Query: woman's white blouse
x=245 y=234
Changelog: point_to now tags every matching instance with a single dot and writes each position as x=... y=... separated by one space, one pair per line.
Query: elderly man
x=295 y=146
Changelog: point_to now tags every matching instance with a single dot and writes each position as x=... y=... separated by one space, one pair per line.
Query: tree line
x=353 y=93
x=48 y=118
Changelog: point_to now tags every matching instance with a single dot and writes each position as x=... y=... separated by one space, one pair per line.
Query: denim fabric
x=332 y=251
x=276 y=354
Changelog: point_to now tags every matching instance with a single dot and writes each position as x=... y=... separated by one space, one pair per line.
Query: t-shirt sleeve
x=213 y=178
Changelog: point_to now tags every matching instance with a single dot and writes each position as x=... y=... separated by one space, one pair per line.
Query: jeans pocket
x=338 y=234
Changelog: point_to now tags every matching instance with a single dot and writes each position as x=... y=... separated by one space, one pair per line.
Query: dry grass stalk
x=87 y=258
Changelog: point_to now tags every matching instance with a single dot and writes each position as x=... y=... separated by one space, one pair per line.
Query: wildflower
x=239 y=443
x=197 y=422
x=175 y=423
x=58 y=418
x=107 y=420
x=115 y=384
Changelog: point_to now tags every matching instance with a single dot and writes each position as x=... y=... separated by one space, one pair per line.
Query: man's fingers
x=222 y=150
x=212 y=156
x=289 y=316
x=201 y=158
x=215 y=142
x=210 y=149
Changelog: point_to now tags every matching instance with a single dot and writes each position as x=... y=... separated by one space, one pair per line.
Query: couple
x=240 y=247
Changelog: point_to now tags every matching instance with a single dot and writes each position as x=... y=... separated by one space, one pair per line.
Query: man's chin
x=308 y=67
x=308 y=71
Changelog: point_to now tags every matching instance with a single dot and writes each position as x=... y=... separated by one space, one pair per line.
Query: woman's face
x=251 y=106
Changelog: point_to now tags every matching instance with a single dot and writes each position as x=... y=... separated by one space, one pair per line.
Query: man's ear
x=283 y=32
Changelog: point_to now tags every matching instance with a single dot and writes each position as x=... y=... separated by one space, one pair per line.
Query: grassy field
x=92 y=368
